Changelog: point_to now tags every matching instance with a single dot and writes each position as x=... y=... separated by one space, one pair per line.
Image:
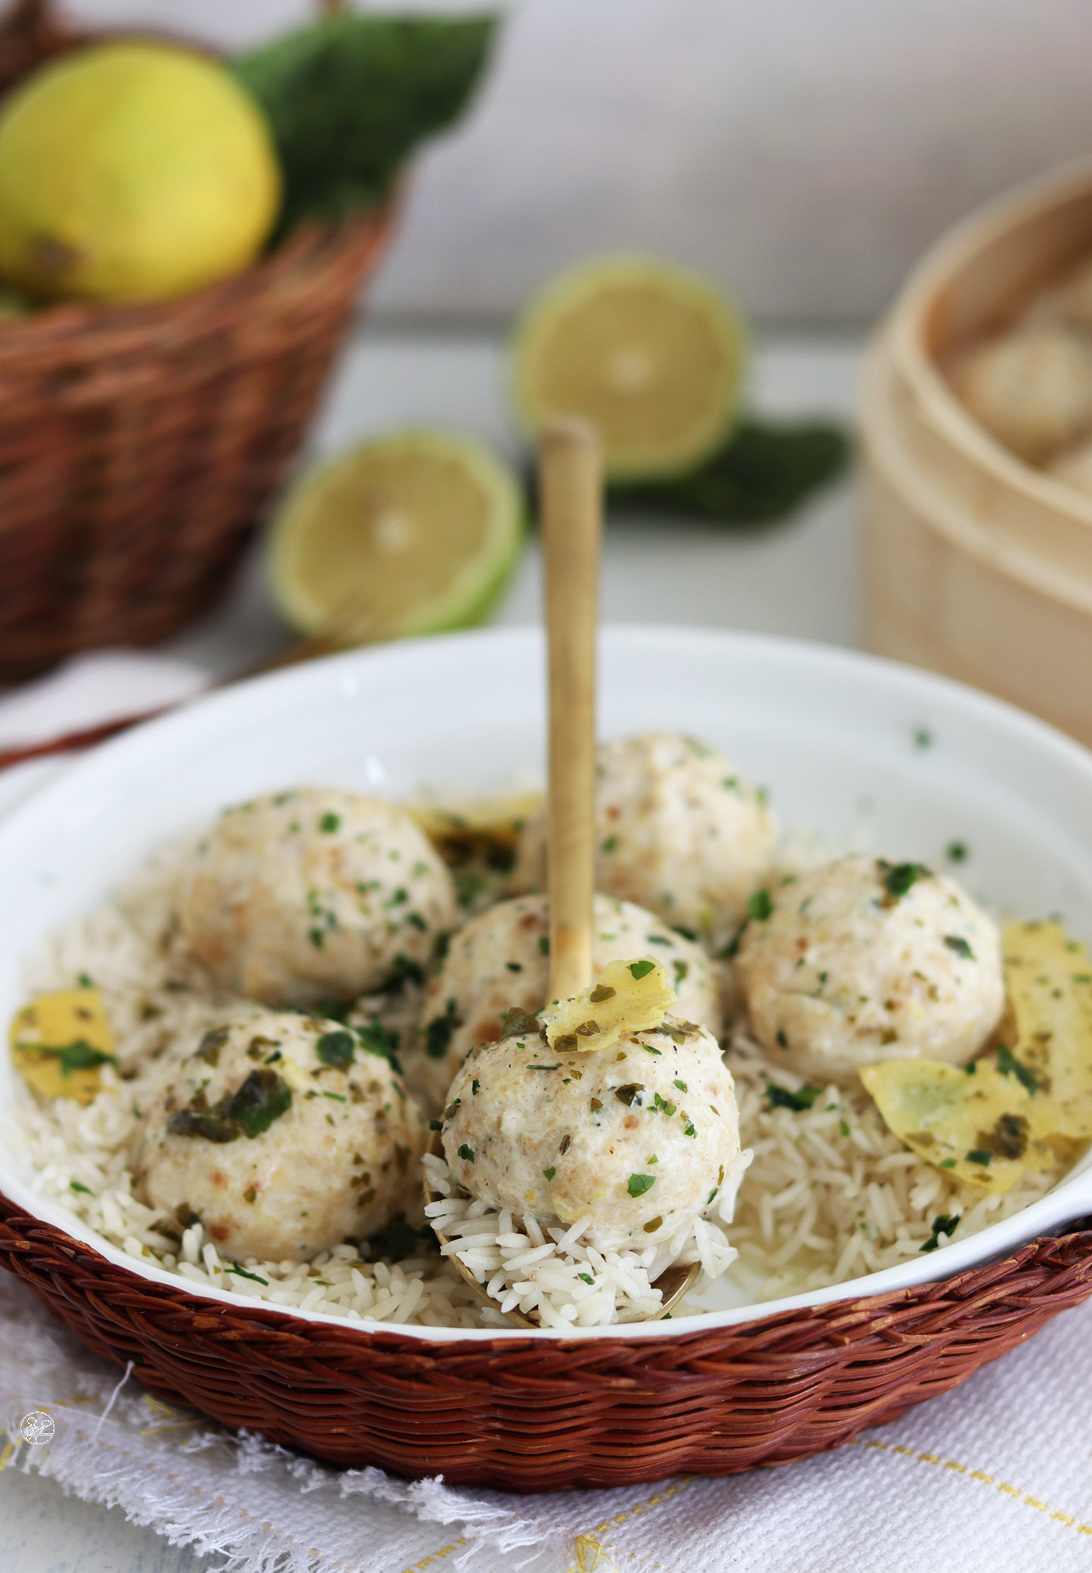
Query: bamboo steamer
x=976 y=564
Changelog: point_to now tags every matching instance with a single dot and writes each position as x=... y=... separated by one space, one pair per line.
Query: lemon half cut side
x=650 y=354
x=415 y=533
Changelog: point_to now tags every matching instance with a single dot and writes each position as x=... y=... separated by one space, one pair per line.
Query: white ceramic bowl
x=865 y=752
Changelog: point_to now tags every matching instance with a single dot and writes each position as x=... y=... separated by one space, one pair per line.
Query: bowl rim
x=904 y=329
x=1071 y=1197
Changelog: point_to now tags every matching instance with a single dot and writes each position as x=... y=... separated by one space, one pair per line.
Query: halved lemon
x=410 y=534
x=651 y=354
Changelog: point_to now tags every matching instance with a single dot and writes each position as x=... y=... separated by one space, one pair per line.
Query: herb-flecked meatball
x=642 y=1138
x=864 y=960
x=500 y=962
x=678 y=830
x=284 y=1134
x=314 y=895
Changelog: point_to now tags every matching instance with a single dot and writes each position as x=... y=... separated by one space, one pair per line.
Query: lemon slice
x=649 y=353
x=410 y=534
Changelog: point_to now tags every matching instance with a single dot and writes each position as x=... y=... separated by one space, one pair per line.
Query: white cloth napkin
x=994 y=1478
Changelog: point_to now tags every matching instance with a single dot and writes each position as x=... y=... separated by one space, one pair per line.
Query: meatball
x=314 y=895
x=499 y=962
x=642 y=1138
x=679 y=831
x=863 y=960
x=283 y=1133
x=1032 y=390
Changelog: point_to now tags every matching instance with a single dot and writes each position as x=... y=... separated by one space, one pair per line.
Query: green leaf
x=350 y=97
x=640 y=1183
x=764 y=471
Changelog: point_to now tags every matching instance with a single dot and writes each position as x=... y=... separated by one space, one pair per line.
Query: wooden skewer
x=571 y=494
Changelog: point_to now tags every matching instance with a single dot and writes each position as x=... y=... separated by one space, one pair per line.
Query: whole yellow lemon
x=132 y=171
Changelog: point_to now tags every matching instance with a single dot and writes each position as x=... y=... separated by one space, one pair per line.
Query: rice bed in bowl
x=831 y=1193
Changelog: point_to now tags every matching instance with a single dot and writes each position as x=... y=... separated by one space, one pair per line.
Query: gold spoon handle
x=571 y=494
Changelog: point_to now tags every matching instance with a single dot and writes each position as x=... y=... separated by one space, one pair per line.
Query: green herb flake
x=681 y=1085
x=760 y=905
x=77 y=1056
x=689 y=1129
x=957 y=943
x=979 y=1155
x=241 y=1272
x=338 y=1097
x=248 y=1111
x=1009 y=1065
x=440 y=1031
x=898 y=878
x=957 y=852
x=608 y=844
x=74 y=1185
x=466 y=1153
x=943 y=1223
x=638 y=1184
x=586 y=1278
x=337 y=1049
x=549 y=1173
x=782 y=1098
x=640 y=969
x=84 y=980
x=843 y=1126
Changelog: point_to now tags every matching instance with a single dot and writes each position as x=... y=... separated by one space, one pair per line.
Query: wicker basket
x=537 y=1416
x=139 y=444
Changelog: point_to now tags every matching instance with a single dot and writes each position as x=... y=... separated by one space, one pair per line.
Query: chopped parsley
x=632 y=1092
x=608 y=844
x=689 y=1129
x=518 y=1023
x=337 y=1049
x=760 y=905
x=329 y=823
x=586 y=1278
x=248 y=1111
x=74 y=1185
x=898 y=878
x=640 y=969
x=957 y=852
x=640 y=1183
x=241 y=1272
x=943 y=1223
x=1009 y=1065
x=549 y=1173
x=664 y=1106
x=979 y=1155
x=466 y=1153
x=782 y=1098
x=681 y=1085
x=923 y=738
x=440 y=1030
x=957 y=943
x=77 y=1056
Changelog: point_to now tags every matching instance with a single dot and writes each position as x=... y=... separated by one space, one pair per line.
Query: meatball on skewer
x=500 y=960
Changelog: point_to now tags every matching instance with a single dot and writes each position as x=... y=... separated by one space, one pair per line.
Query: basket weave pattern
x=527 y=1415
x=139 y=444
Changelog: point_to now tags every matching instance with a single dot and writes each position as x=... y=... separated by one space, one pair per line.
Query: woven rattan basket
x=544 y=1416
x=140 y=444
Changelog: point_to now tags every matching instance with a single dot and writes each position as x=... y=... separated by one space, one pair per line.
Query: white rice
x=554 y=1275
x=831 y=1193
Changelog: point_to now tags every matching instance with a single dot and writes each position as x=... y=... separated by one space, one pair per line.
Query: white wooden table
x=796 y=578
